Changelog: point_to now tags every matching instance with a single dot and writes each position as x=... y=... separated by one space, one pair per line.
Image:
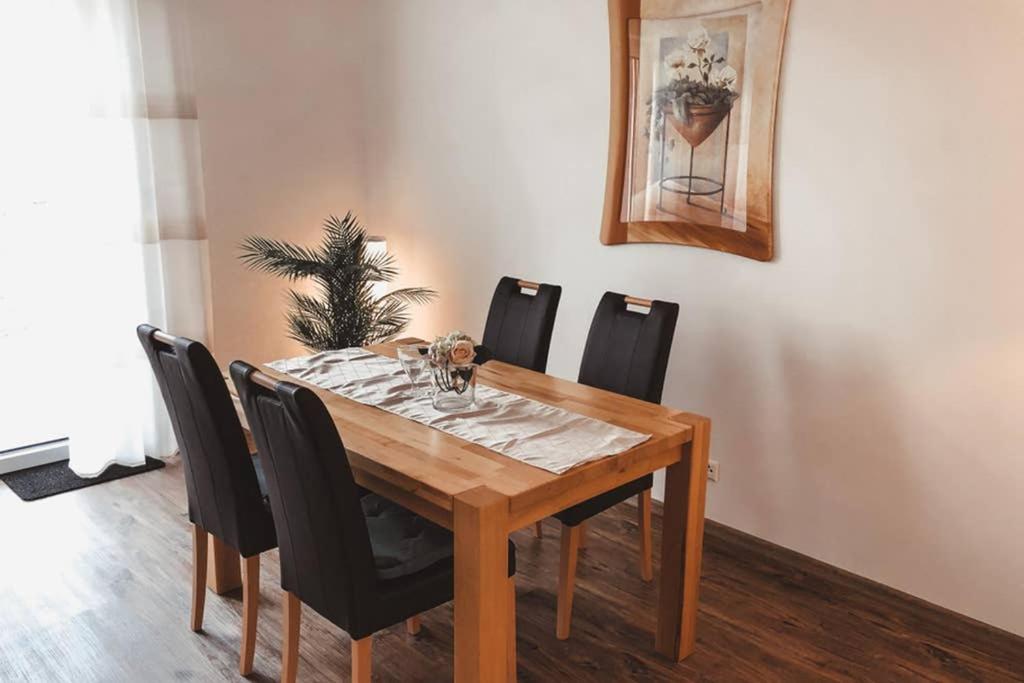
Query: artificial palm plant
x=343 y=312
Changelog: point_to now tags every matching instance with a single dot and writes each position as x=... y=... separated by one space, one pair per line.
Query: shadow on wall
x=825 y=429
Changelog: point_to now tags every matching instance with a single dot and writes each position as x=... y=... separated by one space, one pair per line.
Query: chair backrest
x=223 y=494
x=326 y=557
x=519 y=325
x=627 y=351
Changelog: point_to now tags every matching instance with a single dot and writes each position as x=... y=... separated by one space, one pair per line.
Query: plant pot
x=454 y=387
x=696 y=122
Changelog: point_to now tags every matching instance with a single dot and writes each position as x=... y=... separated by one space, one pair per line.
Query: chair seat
x=404 y=543
x=581 y=512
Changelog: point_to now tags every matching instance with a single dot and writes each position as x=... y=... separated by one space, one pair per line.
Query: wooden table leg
x=224 y=571
x=481 y=586
x=682 y=544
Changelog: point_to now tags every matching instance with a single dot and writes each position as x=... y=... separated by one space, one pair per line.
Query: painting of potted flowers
x=694 y=87
x=695 y=84
x=700 y=92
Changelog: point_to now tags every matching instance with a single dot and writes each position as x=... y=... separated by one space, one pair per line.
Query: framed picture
x=694 y=85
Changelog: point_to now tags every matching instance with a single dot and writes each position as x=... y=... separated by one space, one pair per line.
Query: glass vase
x=454 y=387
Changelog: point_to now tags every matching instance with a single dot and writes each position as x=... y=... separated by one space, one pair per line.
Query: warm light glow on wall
x=374 y=247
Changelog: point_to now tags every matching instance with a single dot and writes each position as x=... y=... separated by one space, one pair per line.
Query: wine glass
x=413 y=358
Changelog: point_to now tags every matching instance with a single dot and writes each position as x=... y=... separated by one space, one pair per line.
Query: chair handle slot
x=163 y=337
x=637 y=301
x=264 y=380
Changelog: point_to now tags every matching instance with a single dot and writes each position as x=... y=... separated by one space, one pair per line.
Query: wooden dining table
x=483 y=496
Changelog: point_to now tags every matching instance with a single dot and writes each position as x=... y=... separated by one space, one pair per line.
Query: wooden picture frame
x=730 y=45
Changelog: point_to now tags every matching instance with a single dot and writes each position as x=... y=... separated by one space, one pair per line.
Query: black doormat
x=49 y=480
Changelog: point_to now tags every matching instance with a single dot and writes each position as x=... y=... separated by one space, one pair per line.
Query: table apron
x=523 y=511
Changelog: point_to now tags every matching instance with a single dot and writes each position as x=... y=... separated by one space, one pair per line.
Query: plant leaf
x=412 y=295
x=280 y=258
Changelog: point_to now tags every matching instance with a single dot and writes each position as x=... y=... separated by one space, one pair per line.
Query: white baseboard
x=33 y=456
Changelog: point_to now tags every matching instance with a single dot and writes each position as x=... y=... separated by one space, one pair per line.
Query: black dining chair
x=361 y=561
x=519 y=325
x=626 y=352
x=224 y=482
x=520 y=321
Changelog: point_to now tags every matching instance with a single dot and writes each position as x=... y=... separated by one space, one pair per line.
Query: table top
x=425 y=469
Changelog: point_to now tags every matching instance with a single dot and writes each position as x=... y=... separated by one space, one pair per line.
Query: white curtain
x=101 y=218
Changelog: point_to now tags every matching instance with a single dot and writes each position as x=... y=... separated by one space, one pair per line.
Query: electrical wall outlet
x=713 y=470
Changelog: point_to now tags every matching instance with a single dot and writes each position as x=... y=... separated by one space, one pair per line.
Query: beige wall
x=866 y=387
x=278 y=118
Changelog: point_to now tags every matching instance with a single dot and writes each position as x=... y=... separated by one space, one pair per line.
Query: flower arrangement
x=451 y=359
x=694 y=80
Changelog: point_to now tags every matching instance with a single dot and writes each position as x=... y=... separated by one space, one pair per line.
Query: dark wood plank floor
x=94 y=586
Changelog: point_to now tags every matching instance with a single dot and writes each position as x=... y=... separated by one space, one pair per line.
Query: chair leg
x=538 y=530
x=199 y=553
x=412 y=625
x=567 y=578
x=361 y=660
x=290 y=647
x=646 y=558
x=583 y=535
x=512 y=630
x=250 y=609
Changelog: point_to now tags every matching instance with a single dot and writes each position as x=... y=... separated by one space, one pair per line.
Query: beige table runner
x=544 y=436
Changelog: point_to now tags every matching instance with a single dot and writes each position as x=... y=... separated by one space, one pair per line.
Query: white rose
x=726 y=77
x=676 y=63
x=462 y=352
x=438 y=351
x=677 y=59
x=698 y=39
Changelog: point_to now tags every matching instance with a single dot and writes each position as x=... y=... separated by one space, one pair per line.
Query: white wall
x=867 y=387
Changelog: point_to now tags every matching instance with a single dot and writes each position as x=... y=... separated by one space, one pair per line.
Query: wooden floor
x=94 y=586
